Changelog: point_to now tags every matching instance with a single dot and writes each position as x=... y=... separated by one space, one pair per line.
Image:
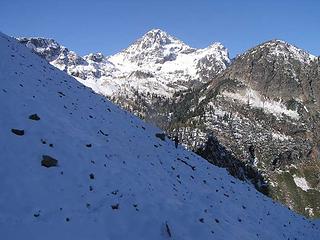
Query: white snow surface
x=301 y=182
x=281 y=137
x=254 y=99
x=162 y=192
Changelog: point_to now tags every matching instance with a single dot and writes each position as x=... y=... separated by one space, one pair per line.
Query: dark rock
x=34 y=117
x=17 y=132
x=48 y=161
x=115 y=206
x=168 y=230
x=162 y=136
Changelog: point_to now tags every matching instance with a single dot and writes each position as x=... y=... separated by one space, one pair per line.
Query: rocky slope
x=264 y=111
x=258 y=117
x=86 y=169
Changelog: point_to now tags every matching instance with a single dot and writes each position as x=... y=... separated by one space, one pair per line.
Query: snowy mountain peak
x=157 y=38
x=286 y=51
x=156 y=46
x=39 y=42
x=217 y=49
x=156 y=53
x=45 y=47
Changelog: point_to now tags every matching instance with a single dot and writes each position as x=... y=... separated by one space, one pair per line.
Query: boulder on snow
x=17 y=132
x=34 y=117
x=48 y=161
x=162 y=136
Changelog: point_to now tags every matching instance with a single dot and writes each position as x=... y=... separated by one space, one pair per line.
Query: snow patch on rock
x=254 y=99
x=301 y=182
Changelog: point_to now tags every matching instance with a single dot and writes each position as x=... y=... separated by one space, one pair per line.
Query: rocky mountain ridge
x=160 y=63
x=263 y=108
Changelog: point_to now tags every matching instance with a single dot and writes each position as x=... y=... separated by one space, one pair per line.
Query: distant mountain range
x=258 y=115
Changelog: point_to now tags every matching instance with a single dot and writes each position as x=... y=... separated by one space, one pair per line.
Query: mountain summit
x=263 y=111
x=156 y=46
x=157 y=38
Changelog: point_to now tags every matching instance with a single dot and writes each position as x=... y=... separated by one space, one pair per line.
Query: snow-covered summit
x=155 y=46
x=287 y=51
x=74 y=166
x=167 y=64
x=46 y=47
x=53 y=52
x=157 y=38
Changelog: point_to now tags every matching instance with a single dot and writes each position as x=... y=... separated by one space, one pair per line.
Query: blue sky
x=108 y=26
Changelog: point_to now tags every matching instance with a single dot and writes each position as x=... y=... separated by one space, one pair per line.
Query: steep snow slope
x=114 y=178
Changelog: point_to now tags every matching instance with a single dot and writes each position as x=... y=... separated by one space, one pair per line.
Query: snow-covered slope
x=114 y=179
x=161 y=54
